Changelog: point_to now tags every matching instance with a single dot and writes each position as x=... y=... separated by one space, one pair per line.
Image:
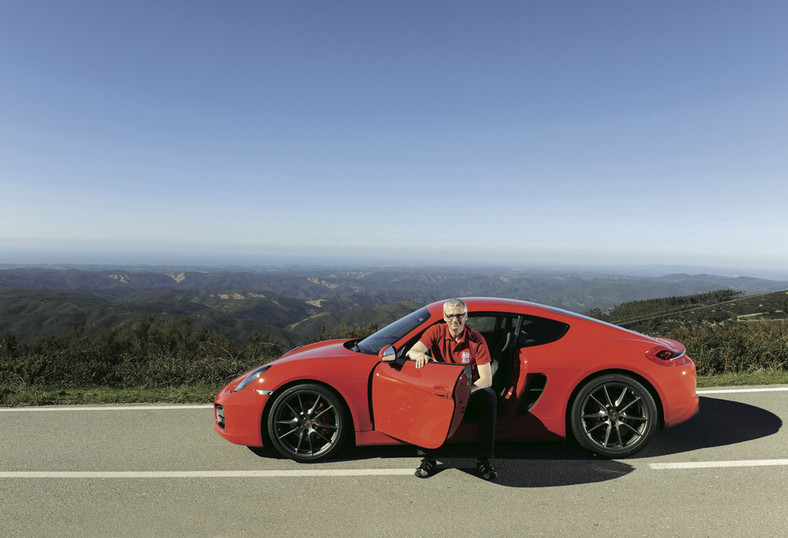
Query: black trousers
x=483 y=409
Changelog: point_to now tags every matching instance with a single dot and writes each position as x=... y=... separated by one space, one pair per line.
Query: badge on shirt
x=466 y=357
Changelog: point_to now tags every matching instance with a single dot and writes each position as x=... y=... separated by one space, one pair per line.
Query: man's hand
x=421 y=360
x=418 y=354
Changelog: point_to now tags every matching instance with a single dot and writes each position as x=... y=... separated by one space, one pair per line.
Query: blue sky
x=455 y=132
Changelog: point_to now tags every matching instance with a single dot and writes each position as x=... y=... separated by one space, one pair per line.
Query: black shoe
x=427 y=467
x=486 y=470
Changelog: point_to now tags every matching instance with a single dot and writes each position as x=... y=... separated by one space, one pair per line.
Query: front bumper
x=238 y=416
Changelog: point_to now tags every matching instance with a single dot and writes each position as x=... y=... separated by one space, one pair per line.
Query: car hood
x=319 y=350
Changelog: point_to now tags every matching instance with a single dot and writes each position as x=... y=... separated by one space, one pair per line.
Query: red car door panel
x=419 y=406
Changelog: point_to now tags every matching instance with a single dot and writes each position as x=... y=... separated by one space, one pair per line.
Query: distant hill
x=663 y=315
x=294 y=304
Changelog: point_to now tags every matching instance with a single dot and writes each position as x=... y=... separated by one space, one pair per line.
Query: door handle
x=441 y=390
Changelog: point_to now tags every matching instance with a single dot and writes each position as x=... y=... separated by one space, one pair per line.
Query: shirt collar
x=463 y=336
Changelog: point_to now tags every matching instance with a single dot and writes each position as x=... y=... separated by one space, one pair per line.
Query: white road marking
x=737 y=391
x=716 y=464
x=301 y=473
x=205 y=474
x=109 y=408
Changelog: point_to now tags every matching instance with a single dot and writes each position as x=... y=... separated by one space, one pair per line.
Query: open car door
x=422 y=406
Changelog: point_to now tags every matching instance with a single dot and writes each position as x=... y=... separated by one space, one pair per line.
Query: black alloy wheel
x=614 y=416
x=307 y=423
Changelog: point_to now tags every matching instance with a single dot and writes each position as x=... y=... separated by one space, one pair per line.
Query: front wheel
x=614 y=416
x=307 y=423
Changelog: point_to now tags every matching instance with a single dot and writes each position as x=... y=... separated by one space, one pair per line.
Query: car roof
x=494 y=304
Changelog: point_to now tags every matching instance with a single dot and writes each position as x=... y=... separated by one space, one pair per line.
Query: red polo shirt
x=471 y=349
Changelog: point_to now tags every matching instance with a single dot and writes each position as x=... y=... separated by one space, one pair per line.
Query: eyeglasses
x=458 y=317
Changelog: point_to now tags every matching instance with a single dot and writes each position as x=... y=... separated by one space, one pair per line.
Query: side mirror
x=388 y=354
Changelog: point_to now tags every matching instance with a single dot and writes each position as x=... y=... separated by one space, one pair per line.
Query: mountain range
x=296 y=303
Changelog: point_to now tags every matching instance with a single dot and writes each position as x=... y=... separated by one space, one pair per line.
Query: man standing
x=456 y=343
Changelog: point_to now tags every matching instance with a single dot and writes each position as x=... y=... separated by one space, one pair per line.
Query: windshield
x=392 y=333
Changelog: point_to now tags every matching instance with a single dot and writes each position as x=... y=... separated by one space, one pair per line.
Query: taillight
x=666 y=356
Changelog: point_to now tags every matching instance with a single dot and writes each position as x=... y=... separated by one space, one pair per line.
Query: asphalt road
x=162 y=471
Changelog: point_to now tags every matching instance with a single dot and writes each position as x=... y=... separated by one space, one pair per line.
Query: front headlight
x=251 y=376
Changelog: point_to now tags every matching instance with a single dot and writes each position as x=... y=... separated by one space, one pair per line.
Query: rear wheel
x=614 y=416
x=307 y=423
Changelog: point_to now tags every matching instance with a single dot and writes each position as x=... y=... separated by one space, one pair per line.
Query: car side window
x=483 y=324
x=497 y=330
x=537 y=331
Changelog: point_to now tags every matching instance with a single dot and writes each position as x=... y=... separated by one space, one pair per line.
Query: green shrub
x=146 y=355
x=733 y=347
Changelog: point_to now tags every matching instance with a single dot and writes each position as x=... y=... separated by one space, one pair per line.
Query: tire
x=614 y=416
x=307 y=423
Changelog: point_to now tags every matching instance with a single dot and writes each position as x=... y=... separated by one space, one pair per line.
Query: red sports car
x=557 y=375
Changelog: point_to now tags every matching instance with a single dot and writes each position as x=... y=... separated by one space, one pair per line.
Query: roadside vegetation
x=168 y=362
x=733 y=340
